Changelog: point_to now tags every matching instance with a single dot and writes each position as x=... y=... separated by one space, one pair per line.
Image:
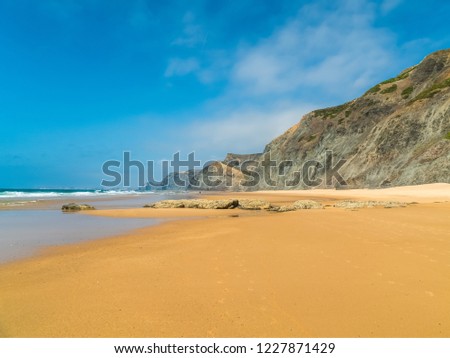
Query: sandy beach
x=370 y=272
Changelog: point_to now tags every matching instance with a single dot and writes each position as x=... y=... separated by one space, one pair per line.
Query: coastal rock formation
x=76 y=207
x=306 y=204
x=351 y=204
x=244 y=204
x=195 y=204
x=298 y=205
x=254 y=205
x=397 y=133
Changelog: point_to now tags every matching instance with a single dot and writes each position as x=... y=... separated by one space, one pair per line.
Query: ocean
x=58 y=193
x=31 y=219
x=26 y=232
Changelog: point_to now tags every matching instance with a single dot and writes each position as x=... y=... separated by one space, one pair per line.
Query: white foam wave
x=56 y=194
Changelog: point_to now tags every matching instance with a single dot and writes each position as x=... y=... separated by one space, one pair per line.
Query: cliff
x=397 y=133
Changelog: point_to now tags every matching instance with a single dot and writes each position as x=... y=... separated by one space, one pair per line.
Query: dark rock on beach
x=76 y=207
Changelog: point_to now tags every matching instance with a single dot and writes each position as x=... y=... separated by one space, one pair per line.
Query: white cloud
x=339 y=51
x=326 y=50
x=243 y=130
x=181 y=67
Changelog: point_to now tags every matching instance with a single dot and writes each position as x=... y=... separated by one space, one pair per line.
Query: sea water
x=69 y=193
x=25 y=232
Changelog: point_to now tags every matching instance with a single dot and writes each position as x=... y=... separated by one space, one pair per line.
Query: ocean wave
x=55 y=194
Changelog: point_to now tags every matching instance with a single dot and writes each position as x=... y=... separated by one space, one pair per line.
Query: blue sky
x=83 y=81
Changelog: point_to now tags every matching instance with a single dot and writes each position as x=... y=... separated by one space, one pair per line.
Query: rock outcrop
x=351 y=204
x=298 y=205
x=194 y=204
x=254 y=204
x=71 y=207
x=244 y=204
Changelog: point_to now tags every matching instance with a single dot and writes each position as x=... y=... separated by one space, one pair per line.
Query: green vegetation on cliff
x=331 y=111
x=390 y=89
x=374 y=89
x=434 y=89
x=407 y=92
x=401 y=76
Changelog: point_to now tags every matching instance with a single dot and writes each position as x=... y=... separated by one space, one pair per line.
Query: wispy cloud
x=332 y=52
x=331 y=49
x=193 y=33
x=339 y=51
x=242 y=130
x=181 y=67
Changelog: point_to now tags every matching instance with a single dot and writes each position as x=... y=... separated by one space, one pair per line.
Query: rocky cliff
x=397 y=133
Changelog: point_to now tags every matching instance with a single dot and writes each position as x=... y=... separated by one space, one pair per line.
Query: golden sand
x=373 y=272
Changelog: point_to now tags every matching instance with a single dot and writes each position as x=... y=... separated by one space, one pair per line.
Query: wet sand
x=100 y=202
x=26 y=232
x=372 y=272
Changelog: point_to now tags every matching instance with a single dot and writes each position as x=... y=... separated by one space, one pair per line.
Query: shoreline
x=56 y=202
x=421 y=193
x=373 y=272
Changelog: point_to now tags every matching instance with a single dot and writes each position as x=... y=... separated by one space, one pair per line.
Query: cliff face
x=397 y=133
